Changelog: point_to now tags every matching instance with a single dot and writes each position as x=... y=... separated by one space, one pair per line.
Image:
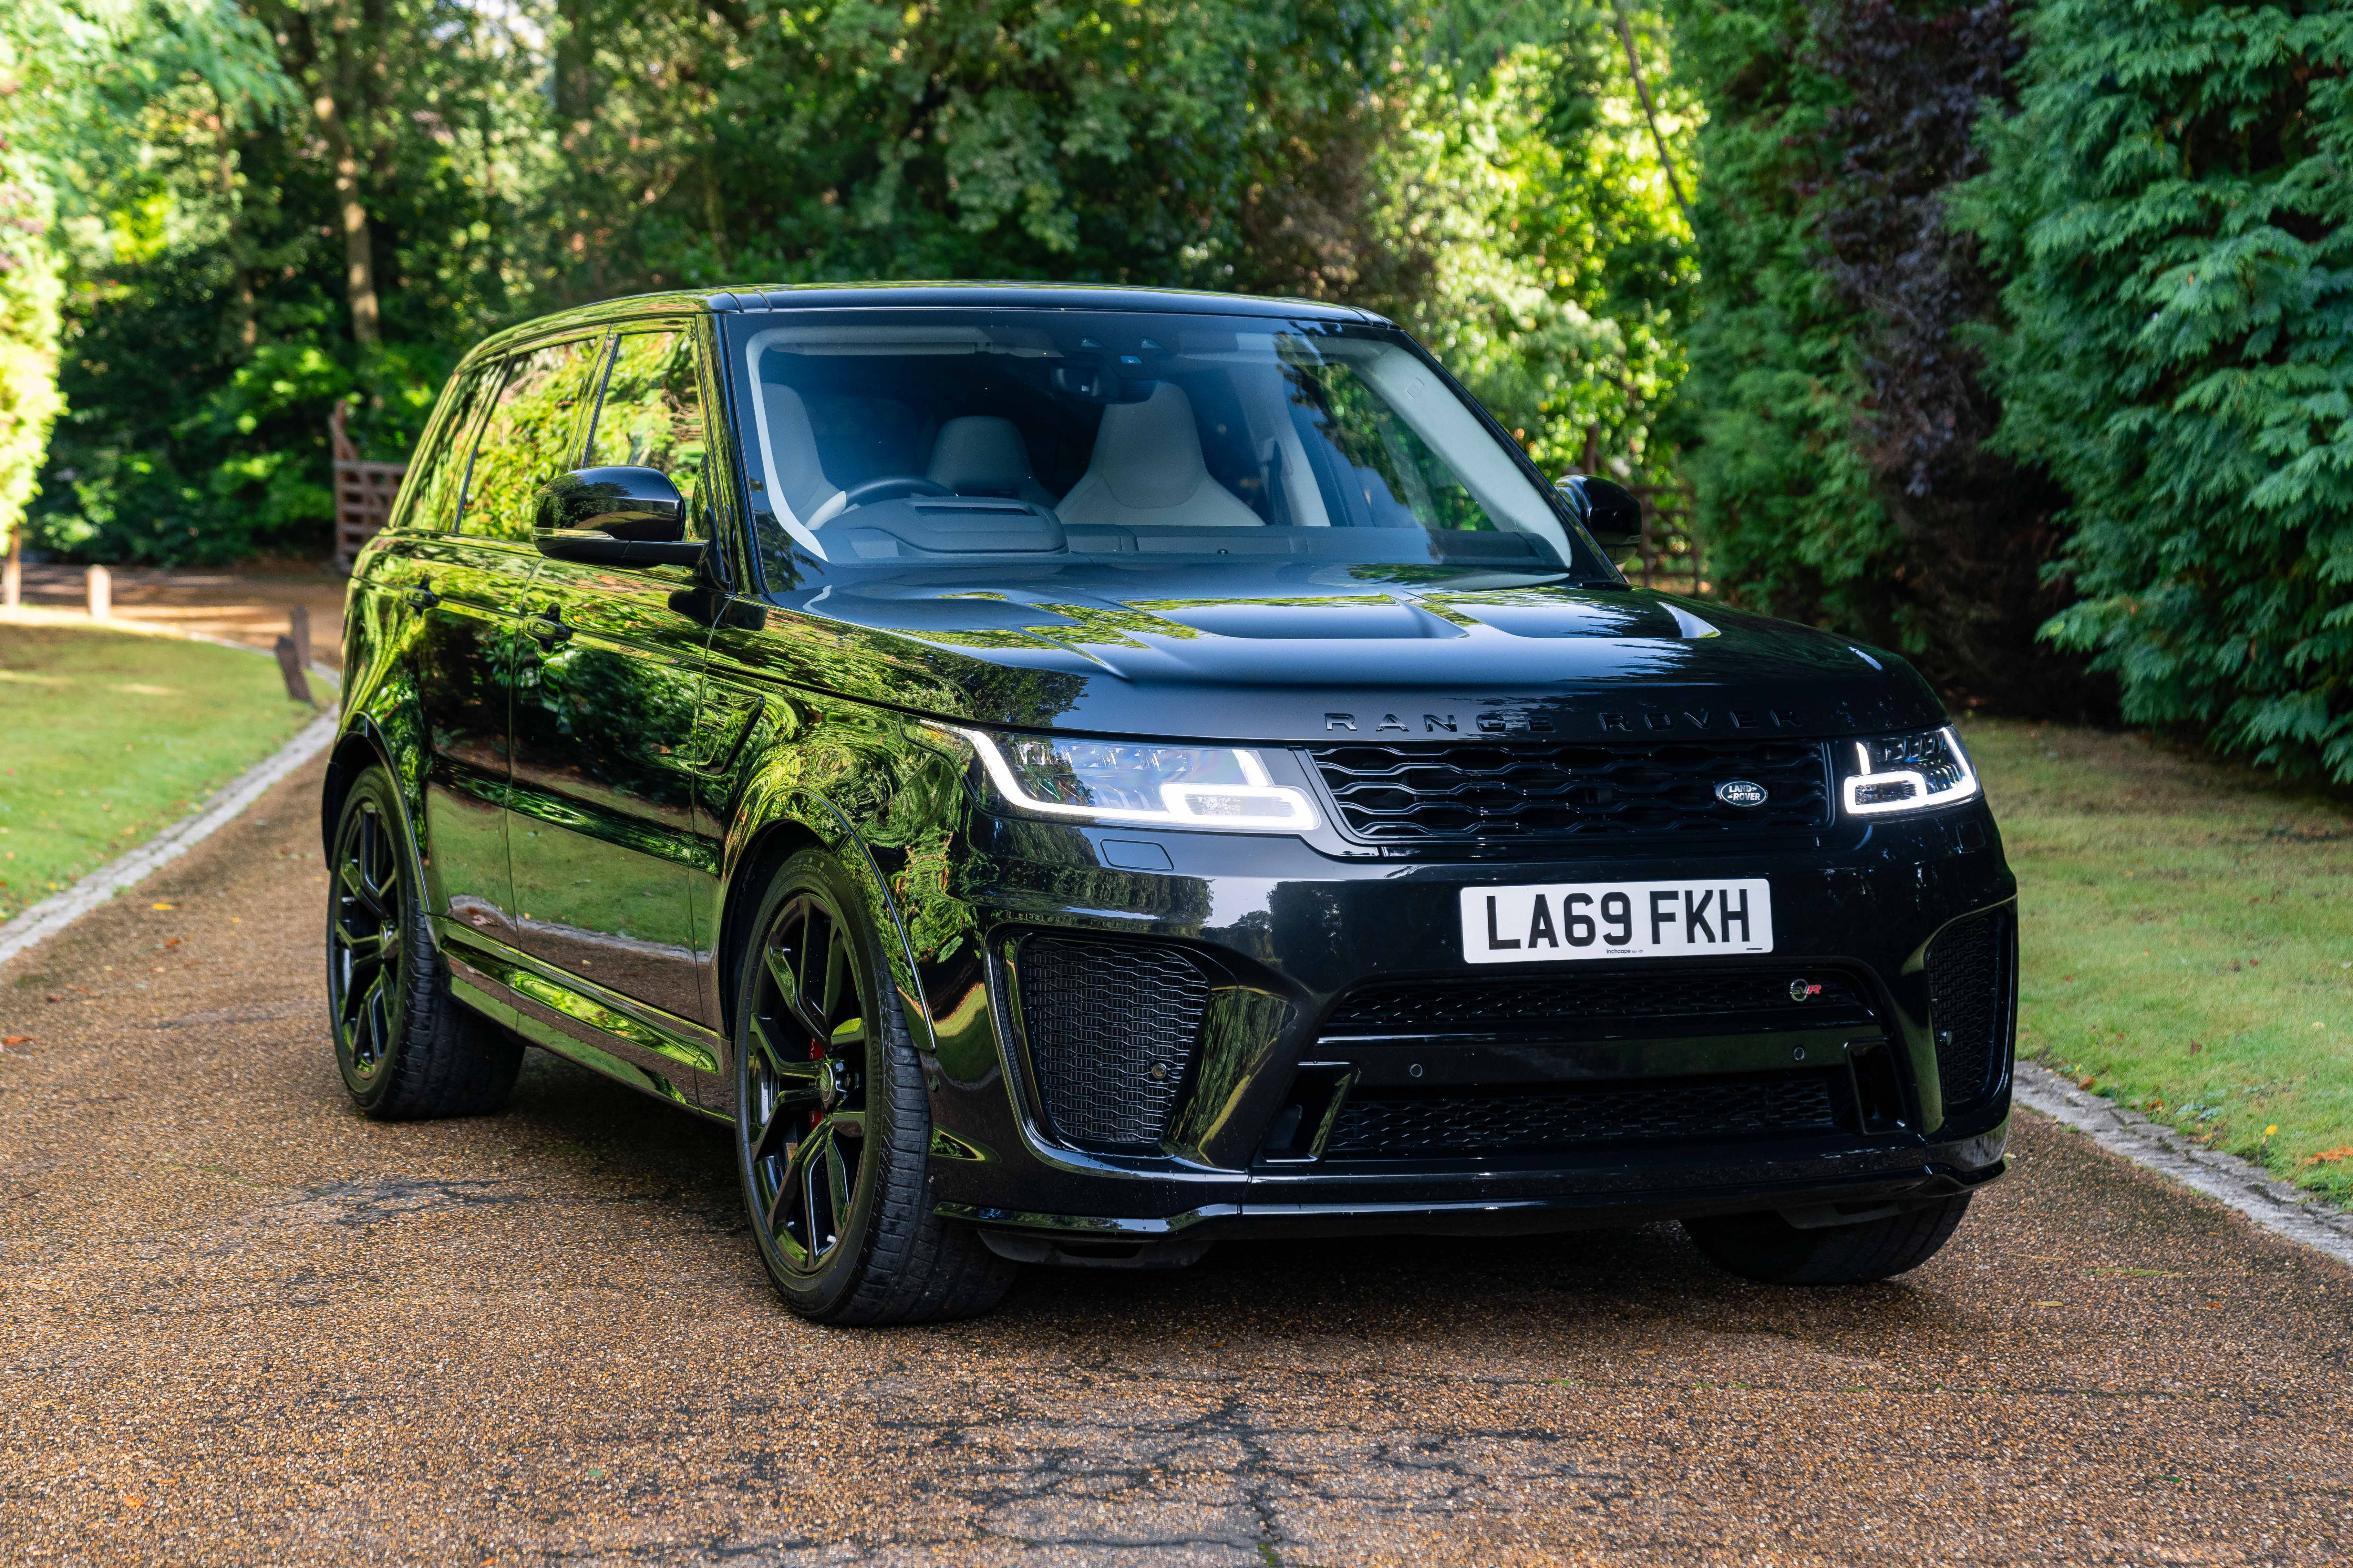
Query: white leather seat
x=1147 y=471
x=980 y=455
x=792 y=454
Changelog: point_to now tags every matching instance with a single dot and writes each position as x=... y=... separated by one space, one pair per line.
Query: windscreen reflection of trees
x=529 y=438
x=652 y=413
x=1359 y=425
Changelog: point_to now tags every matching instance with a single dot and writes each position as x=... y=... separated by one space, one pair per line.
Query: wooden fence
x=1671 y=556
x=364 y=493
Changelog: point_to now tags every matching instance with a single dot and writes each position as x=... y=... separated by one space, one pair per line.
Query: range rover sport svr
x=1071 y=774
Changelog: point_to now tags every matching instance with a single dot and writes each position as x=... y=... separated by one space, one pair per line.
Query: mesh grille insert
x=1111 y=1028
x=1715 y=1002
x=1968 y=997
x=1391 y=1126
x=1410 y=794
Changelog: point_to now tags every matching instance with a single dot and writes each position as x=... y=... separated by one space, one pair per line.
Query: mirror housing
x=614 y=517
x=1609 y=512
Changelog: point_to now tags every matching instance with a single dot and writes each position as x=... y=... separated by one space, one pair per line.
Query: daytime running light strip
x=1298 y=812
x=1922 y=796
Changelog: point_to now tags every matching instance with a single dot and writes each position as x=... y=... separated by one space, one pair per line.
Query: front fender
x=881 y=793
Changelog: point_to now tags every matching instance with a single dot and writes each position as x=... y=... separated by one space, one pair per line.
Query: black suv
x=1072 y=773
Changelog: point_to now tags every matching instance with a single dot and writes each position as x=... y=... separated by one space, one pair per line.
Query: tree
x=1843 y=468
x=2173 y=205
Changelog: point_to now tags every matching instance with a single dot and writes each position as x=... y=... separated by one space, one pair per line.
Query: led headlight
x=1907 y=773
x=1220 y=787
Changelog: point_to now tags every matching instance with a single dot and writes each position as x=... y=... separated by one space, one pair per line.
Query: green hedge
x=1844 y=473
x=2171 y=205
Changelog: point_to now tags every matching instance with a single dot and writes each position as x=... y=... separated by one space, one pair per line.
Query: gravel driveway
x=239 y=1324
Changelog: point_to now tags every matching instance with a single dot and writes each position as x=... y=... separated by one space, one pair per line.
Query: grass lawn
x=108 y=738
x=2187 y=934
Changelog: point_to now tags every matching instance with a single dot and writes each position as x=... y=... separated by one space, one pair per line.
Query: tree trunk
x=575 y=69
x=243 y=332
x=359 y=249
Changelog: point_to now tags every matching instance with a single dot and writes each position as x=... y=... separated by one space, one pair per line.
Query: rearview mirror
x=1609 y=512
x=614 y=517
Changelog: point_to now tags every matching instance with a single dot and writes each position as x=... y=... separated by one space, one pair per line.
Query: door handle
x=547 y=630
x=421 y=597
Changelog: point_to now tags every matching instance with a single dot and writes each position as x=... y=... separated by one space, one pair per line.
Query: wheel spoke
x=835 y=1172
x=768 y=1050
x=354 y=886
x=818 y=1156
x=376 y=873
x=786 y=968
x=791 y=1201
x=363 y=946
x=372 y=1020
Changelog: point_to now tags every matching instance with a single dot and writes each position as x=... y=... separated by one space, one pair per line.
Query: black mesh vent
x=1715 y=1002
x=1111 y=1028
x=1390 y=1126
x=1969 y=1005
x=1408 y=793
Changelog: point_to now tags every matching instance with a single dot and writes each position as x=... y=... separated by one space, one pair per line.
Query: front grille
x=1390 y=1126
x=1969 y=1005
x=1416 y=794
x=1650 y=1001
x=1112 y=1027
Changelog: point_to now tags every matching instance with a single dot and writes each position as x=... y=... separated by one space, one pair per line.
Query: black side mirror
x=1609 y=512
x=614 y=517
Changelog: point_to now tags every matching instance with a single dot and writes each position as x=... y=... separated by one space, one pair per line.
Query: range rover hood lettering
x=1257 y=658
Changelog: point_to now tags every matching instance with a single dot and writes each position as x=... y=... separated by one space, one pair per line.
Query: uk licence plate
x=1616 y=920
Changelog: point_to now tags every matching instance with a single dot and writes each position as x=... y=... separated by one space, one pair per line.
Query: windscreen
x=904 y=438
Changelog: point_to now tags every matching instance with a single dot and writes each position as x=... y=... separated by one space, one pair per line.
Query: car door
x=601 y=811
x=462 y=592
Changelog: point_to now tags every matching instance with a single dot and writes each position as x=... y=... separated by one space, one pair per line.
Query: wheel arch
x=784 y=823
x=361 y=746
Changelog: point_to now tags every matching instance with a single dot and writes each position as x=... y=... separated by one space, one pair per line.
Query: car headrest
x=1149 y=452
x=980 y=455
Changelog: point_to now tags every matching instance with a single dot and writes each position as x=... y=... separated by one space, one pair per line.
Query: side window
x=651 y=416
x=533 y=435
x=429 y=498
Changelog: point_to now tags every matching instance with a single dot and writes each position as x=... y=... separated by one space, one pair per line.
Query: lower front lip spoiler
x=1509 y=1217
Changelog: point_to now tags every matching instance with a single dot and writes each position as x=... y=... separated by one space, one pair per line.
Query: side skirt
x=649 y=1050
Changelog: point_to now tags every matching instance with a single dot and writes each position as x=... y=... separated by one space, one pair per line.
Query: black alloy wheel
x=804 y=1122
x=407 y=1047
x=833 y=1123
x=363 y=946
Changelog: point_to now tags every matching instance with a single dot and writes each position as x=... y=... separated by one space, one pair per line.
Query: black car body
x=611 y=712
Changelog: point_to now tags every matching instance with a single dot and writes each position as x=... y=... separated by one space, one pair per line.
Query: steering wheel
x=889 y=486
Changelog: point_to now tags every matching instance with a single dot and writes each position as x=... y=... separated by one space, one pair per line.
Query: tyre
x=832 y=1126
x=409 y=1050
x=1770 y=1249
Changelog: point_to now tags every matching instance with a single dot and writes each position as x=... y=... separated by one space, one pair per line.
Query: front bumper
x=1283 y=930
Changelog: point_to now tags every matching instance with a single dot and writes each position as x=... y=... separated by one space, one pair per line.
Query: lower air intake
x=1391 y=1126
x=1970 y=1005
x=1112 y=1027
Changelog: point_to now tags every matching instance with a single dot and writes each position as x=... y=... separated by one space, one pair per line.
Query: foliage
x=2174 y=204
x=1476 y=171
x=208 y=327
x=72 y=77
x=1776 y=390
x=1558 y=271
x=1842 y=469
